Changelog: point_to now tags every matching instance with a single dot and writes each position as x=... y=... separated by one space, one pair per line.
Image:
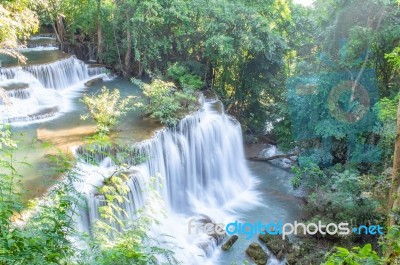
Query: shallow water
x=68 y=131
x=34 y=56
x=278 y=201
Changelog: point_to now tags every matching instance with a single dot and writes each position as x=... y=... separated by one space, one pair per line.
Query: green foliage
x=355 y=256
x=180 y=74
x=366 y=255
x=106 y=108
x=42 y=238
x=240 y=56
x=394 y=58
x=391 y=244
x=308 y=174
x=338 y=193
x=388 y=109
x=386 y=129
x=164 y=101
x=10 y=200
x=119 y=240
x=17 y=22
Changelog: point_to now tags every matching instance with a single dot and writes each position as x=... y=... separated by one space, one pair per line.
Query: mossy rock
x=256 y=252
x=94 y=81
x=305 y=252
x=276 y=244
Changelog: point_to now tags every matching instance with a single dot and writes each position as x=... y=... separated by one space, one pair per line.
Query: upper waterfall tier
x=56 y=75
x=32 y=92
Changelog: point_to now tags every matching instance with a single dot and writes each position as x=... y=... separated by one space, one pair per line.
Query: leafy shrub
x=337 y=193
x=391 y=245
x=181 y=74
x=164 y=101
x=106 y=108
x=355 y=256
x=43 y=239
x=366 y=255
x=130 y=243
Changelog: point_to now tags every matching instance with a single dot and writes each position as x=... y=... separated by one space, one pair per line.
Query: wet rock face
x=204 y=224
x=256 y=252
x=305 y=251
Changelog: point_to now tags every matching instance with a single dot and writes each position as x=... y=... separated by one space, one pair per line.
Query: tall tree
x=394 y=195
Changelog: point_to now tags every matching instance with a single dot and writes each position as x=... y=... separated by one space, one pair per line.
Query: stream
x=200 y=163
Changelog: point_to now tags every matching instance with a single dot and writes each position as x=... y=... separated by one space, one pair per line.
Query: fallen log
x=287 y=156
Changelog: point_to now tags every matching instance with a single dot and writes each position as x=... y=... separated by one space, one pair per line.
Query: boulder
x=256 y=252
x=276 y=244
x=94 y=81
x=209 y=227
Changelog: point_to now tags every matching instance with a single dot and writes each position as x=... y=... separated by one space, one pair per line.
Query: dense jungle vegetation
x=274 y=64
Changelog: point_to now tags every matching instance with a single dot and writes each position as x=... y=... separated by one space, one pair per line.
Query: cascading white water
x=199 y=164
x=33 y=91
x=57 y=75
x=202 y=168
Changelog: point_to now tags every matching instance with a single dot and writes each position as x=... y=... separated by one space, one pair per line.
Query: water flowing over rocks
x=278 y=246
x=34 y=91
x=200 y=168
x=199 y=165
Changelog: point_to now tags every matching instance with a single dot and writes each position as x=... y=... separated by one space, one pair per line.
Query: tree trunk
x=57 y=35
x=59 y=30
x=99 y=40
x=394 y=195
x=128 y=54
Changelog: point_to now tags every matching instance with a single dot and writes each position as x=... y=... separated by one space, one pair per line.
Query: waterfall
x=21 y=93
x=201 y=166
x=57 y=75
x=34 y=91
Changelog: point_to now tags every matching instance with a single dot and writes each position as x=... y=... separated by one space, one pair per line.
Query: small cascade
x=40 y=45
x=43 y=36
x=33 y=91
x=40 y=115
x=22 y=93
x=272 y=150
x=200 y=169
x=18 y=90
x=42 y=42
x=57 y=75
